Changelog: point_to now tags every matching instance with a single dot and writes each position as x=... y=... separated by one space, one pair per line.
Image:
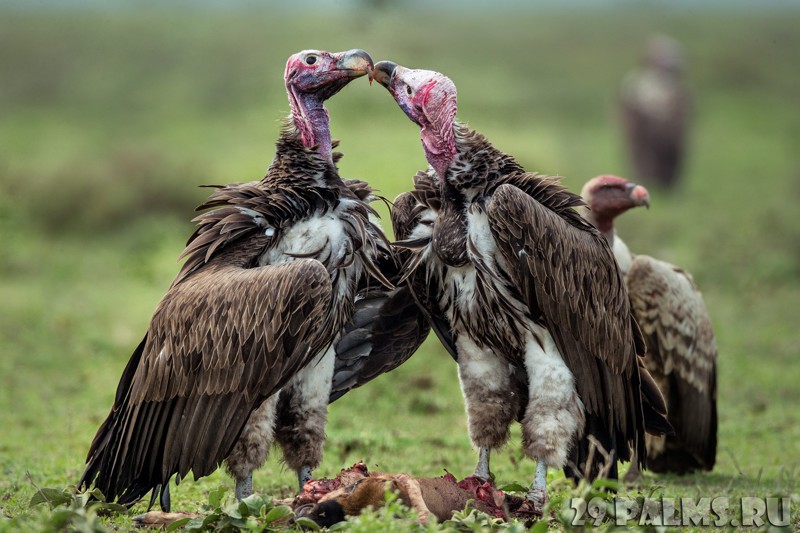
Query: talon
x=535 y=501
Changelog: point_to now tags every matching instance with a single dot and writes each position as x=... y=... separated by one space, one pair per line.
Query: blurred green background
x=111 y=117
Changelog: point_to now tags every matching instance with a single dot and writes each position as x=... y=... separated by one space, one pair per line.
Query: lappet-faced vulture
x=655 y=110
x=269 y=282
x=522 y=290
x=681 y=350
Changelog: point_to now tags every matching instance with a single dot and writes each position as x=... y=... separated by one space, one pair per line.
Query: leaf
x=278 y=512
x=306 y=523
x=252 y=505
x=513 y=487
x=178 y=524
x=603 y=483
x=215 y=496
x=539 y=527
x=52 y=497
x=195 y=524
x=106 y=508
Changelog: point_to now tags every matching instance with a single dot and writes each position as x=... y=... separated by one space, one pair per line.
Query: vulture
x=681 y=350
x=655 y=108
x=524 y=293
x=241 y=349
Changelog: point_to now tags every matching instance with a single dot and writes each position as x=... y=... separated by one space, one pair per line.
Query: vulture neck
x=311 y=119
x=440 y=149
x=603 y=223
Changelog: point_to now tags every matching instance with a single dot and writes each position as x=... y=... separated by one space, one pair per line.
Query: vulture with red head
x=681 y=350
x=524 y=293
x=241 y=349
x=655 y=108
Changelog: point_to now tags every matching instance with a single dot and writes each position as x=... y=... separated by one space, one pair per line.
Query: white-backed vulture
x=655 y=108
x=523 y=291
x=681 y=349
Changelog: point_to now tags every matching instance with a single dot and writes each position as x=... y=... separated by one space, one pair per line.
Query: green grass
x=109 y=121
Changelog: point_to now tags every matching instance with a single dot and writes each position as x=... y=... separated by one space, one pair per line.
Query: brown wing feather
x=385 y=331
x=220 y=342
x=568 y=277
x=682 y=356
x=407 y=212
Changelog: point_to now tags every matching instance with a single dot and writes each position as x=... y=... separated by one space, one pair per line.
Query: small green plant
x=255 y=513
x=74 y=511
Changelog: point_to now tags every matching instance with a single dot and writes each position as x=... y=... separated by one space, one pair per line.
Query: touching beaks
x=383 y=72
x=357 y=62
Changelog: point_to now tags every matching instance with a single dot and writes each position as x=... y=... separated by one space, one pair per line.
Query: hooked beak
x=384 y=72
x=356 y=63
x=638 y=195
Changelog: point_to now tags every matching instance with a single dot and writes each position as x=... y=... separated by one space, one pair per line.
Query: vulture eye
x=409 y=92
x=310 y=60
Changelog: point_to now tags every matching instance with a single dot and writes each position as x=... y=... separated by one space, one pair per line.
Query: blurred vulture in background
x=681 y=350
x=655 y=111
x=273 y=275
x=524 y=293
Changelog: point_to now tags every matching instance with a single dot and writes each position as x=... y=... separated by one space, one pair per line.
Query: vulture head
x=609 y=196
x=313 y=76
x=429 y=100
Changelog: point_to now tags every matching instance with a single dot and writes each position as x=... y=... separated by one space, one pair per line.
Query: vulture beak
x=384 y=72
x=638 y=194
x=356 y=63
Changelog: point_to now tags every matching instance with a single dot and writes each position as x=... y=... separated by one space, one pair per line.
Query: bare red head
x=609 y=196
x=428 y=98
x=313 y=76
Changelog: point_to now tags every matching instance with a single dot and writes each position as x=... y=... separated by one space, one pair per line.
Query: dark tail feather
x=100 y=444
x=654 y=407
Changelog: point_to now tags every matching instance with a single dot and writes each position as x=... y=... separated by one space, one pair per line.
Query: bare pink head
x=429 y=100
x=609 y=196
x=313 y=76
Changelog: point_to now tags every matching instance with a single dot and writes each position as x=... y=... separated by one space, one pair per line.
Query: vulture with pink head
x=282 y=277
x=681 y=350
x=524 y=293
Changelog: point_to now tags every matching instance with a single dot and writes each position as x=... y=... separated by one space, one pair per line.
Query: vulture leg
x=302 y=414
x=491 y=408
x=304 y=475
x=537 y=496
x=554 y=415
x=244 y=487
x=250 y=451
x=482 y=471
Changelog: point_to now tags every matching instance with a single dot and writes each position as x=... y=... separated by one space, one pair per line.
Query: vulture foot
x=244 y=487
x=534 y=503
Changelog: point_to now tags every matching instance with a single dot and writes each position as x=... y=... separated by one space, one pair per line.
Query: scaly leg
x=537 y=496
x=304 y=475
x=244 y=487
x=482 y=471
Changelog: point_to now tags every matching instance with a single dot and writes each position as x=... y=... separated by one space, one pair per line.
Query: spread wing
x=412 y=221
x=569 y=279
x=682 y=352
x=386 y=329
x=220 y=342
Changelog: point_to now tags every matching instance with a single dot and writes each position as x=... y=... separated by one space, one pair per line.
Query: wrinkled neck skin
x=311 y=119
x=438 y=152
x=603 y=223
